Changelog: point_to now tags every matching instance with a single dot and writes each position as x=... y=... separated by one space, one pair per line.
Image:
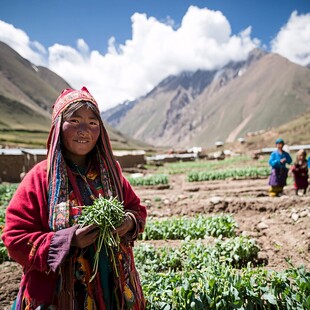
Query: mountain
x=295 y=132
x=115 y=114
x=27 y=93
x=202 y=107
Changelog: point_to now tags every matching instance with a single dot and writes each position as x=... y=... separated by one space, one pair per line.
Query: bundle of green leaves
x=108 y=214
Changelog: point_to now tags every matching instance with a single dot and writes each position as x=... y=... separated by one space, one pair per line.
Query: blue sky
x=121 y=49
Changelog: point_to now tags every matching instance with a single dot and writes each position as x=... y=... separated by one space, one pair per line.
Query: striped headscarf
x=58 y=202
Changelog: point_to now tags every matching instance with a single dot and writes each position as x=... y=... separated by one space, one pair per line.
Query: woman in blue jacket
x=278 y=160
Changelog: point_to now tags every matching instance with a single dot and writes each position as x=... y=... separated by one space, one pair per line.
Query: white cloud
x=203 y=40
x=19 y=41
x=293 y=40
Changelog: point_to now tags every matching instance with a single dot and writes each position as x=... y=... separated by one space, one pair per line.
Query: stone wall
x=13 y=166
x=129 y=160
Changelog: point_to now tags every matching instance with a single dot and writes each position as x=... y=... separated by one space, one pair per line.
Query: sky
x=122 y=49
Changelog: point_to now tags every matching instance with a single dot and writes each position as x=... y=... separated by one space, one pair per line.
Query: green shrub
x=179 y=228
x=194 y=278
x=239 y=173
x=156 y=179
x=6 y=193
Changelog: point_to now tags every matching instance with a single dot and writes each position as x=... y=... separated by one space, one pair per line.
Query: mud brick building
x=14 y=163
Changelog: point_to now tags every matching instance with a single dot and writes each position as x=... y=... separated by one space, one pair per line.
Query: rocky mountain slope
x=202 y=107
x=27 y=93
x=295 y=132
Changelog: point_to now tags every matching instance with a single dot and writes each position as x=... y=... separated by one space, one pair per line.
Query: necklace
x=81 y=172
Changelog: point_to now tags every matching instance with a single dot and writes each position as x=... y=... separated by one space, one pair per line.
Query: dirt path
x=281 y=226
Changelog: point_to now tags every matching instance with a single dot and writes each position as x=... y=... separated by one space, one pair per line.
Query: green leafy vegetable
x=107 y=214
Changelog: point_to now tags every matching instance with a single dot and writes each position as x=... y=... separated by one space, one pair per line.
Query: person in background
x=278 y=160
x=300 y=172
x=41 y=231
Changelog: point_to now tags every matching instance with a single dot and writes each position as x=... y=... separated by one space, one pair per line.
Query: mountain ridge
x=264 y=91
x=27 y=93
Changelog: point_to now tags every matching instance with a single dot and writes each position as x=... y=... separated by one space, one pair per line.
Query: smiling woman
x=42 y=232
x=80 y=132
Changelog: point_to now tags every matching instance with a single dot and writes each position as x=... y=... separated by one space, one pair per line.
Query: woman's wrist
x=130 y=222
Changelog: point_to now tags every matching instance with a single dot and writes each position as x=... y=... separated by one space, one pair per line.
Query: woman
x=278 y=159
x=41 y=232
x=300 y=172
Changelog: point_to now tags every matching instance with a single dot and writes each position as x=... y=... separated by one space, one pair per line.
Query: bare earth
x=280 y=225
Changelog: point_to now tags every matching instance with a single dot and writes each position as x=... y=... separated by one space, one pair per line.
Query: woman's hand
x=85 y=236
x=126 y=226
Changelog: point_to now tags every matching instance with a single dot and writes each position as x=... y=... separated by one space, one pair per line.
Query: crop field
x=22 y=138
x=214 y=239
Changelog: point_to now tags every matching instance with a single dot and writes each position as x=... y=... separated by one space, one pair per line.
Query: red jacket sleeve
x=26 y=234
x=133 y=205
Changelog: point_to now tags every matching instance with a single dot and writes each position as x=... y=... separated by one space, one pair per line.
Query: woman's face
x=301 y=157
x=79 y=134
x=279 y=146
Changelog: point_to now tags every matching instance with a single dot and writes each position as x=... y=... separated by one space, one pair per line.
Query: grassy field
x=37 y=139
x=198 y=165
x=23 y=138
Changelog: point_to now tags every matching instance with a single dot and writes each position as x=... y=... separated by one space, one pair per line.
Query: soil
x=280 y=225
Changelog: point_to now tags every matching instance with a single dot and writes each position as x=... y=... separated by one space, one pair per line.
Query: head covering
x=69 y=96
x=58 y=201
x=279 y=140
x=302 y=152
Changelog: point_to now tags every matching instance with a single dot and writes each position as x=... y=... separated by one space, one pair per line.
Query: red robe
x=300 y=173
x=32 y=244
